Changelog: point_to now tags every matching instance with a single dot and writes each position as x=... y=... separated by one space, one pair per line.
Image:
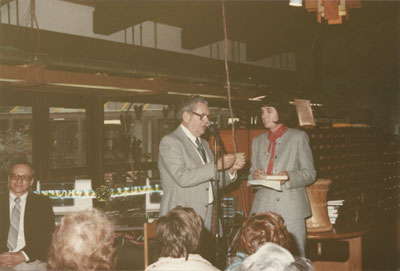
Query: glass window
x=67 y=137
x=129 y=131
x=15 y=136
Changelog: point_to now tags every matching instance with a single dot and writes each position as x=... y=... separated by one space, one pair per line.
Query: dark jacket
x=38 y=225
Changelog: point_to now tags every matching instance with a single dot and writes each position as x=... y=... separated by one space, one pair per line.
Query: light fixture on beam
x=258 y=98
x=99 y=87
x=202 y=95
x=296 y=3
x=10 y=80
x=331 y=10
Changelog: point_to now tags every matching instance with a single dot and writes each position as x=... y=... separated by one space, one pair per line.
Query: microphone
x=211 y=125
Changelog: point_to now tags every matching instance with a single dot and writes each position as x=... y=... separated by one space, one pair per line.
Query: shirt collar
x=23 y=197
x=188 y=134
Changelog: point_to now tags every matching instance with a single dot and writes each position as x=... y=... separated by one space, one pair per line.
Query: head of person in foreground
x=272 y=257
x=178 y=232
x=261 y=228
x=83 y=241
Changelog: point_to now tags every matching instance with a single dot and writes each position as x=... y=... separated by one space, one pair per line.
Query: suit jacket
x=184 y=177
x=292 y=154
x=38 y=225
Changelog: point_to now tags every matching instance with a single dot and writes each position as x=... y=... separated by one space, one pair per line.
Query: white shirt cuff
x=26 y=256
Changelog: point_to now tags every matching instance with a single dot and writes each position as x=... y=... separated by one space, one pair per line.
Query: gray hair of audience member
x=189 y=105
x=269 y=257
x=300 y=264
x=178 y=232
x=83 y=241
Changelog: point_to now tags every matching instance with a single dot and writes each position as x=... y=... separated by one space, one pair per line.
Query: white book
x=332 y=212
x=333 y=207
x=336 y=202
x=270 y=181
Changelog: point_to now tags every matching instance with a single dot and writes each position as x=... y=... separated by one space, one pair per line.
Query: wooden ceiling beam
x=35 y=75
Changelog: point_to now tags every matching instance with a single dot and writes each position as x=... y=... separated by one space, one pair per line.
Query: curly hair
x=189 y=104
x=178 y=232
x=83 y=241
x=263 y=227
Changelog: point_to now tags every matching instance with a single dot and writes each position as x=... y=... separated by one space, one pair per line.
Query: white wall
x=69 y=18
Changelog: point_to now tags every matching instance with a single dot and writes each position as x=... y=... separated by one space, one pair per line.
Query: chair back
x=149 y=232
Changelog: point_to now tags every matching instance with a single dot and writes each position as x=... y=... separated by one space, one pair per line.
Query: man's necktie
x=14 y=225
x=200 y=148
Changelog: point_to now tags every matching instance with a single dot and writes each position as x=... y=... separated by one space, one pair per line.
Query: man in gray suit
x=186 y=163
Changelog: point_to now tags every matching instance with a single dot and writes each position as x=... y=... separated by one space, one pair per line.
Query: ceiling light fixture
x=296 y=3
x=257 y=99
x=10 y=80
x=203 y=95
x=99 y=87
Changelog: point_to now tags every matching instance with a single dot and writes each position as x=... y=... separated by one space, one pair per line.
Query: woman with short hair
x=178 y=234
x=83 y=241
x=258 y=229
x=285 y=152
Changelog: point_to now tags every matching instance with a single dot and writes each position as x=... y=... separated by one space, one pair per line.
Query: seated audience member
x=272 y=257
x=300 y=264
x=178 y=234
x=26 y=221
x=83 y=241
x=258 y=229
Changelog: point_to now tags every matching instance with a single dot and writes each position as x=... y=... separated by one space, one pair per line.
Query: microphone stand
x=217 y=203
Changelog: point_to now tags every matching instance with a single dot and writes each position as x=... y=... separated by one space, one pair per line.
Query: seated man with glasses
x=26 y=220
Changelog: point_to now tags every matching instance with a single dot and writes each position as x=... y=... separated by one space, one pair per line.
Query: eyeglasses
x=24 y=178
x=201 y=116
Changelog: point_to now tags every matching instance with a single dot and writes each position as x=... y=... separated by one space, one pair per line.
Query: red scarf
x=272 y=137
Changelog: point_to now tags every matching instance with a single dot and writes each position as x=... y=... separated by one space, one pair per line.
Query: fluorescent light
x=10 y=80
x=257 y=99
x=99 y=87
x=202 y=95
x=296 y=3
x=112 y=122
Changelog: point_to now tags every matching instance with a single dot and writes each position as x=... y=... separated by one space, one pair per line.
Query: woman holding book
x=284 y=152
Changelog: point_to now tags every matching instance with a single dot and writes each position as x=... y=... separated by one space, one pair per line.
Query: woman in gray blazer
x=283 y=151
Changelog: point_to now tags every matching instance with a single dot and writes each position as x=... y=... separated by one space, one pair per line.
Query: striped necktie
x=201 y=150
x=14 y=225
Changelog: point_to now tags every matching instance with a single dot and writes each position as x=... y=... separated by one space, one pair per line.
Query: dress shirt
x=21 y=233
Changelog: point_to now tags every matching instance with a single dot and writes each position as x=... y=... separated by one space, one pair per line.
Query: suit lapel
x=28 y=215
x=210 y=154
x=190 y=148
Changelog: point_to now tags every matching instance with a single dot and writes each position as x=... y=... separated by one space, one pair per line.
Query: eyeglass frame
x=201 y=116
x=16 y=177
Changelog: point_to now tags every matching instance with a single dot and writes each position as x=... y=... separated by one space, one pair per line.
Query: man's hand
x=238 y=164
x=229 y=159
x=11 y=259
